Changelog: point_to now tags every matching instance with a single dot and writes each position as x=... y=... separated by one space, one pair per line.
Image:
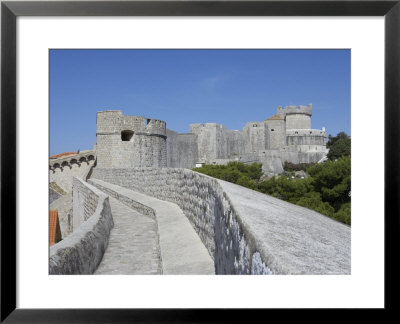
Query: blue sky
x=182 y=87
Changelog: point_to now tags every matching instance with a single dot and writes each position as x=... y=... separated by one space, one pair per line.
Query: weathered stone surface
x=53 y=195
x=82 y=251
x=134 y=141
x=286 y=136
x=133 y=246
x=292 y=239
x=130 y=141
x=182 y=251
x=63 y=170
x=181 y=150
x=289 y=239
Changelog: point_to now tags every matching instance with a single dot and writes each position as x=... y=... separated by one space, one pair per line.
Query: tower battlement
x=297 y=117
x=130 y=141
x=112 y=121
x=297 y=110
x=137 y=141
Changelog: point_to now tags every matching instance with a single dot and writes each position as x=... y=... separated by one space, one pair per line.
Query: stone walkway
x=181 y=249
x=133 y=247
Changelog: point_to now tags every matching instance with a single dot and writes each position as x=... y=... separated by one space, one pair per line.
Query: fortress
x=133 y=206
x=132 y=141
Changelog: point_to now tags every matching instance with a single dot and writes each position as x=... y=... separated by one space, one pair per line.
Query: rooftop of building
x=275 y=117
x=57 y=156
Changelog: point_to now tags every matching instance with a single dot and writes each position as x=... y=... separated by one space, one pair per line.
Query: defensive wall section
x=130 y=141
x=297 y=117
x=53 y=195
x=245 y=232
x=61 y=174
x=181 y=150
x=285 y=137
x=82 y=251
x=62 y=170
x=135 y=141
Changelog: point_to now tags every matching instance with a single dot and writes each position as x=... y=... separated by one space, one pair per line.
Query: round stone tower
x=298 y=117
x=130 y=141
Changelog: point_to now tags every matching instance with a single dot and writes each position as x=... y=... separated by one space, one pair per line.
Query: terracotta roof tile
x=63 y=154
x=275 y=117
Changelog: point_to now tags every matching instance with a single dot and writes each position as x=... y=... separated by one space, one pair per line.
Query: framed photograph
x=42 y=42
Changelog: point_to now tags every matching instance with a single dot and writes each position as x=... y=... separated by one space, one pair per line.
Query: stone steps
x=182 y=251
x=133 y=246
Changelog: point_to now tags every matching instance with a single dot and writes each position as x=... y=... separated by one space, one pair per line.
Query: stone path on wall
x=182 y=251
x=133 y=246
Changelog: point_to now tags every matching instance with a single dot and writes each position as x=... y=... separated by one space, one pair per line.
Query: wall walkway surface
x=293 y=240
x=182 y=251
x=133 y=246
x=82 y=251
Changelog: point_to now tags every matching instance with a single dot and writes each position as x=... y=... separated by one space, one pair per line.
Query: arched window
x=126 y=135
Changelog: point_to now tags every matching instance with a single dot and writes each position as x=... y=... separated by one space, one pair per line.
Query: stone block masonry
x=181 y=249
x=84 y=202
x=130 y=141
x=82 y=251
x=202 y=201
x=267 y=237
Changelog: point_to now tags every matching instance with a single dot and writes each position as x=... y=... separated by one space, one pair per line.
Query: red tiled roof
x=275 y=117
x=62 y=154
x=53 y=220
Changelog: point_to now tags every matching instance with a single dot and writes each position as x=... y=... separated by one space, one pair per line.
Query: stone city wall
x=181 y=150
x=206 y=140
x=255 y=134
x=82 y=251
x=53 y=195
x=277 y=133
x=207 y=207
x=271 y=162
x=63 y=176
x=130 y=141
x=306 y=137
x=235 y=143
x=227 y=218
x=84 y=202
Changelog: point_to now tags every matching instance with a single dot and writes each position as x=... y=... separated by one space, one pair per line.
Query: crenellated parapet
x=130 y=141
x=297 y=117
x=111 y=122
x=297 y=110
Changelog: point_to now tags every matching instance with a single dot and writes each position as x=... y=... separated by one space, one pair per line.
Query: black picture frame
x=10 y=10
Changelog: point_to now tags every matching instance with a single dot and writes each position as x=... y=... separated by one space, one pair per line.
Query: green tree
x=339 y=145
x=333 y=180
x=344 y=214
x=326 y=191
x=313 y=201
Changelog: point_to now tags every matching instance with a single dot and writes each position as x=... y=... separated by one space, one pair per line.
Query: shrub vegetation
x=326 y=190
x=339 y=145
